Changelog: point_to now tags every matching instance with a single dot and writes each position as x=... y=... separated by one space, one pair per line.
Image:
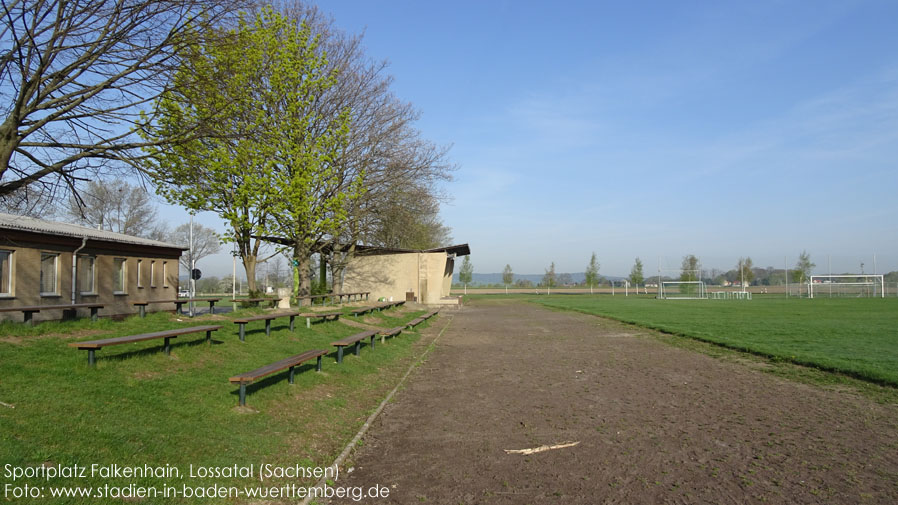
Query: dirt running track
x=655 y=423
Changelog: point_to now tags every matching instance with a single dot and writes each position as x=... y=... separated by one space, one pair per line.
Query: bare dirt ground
x=655 y=423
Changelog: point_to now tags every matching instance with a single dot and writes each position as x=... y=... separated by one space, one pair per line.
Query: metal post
x=291 y=322
x=142 y=310
x=373 y=337
x=308 y=322
x=340 y=354
x=91 y=357
x=268 y=327
x=290 y=377
x=318 y=365
x=167 y=345
x=94 y=313
x=242 y=394
x=211 y=307
x=209 y=337
x=358 y=348
x=242 y=332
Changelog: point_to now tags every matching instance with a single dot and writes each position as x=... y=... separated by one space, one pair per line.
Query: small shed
x=425 y=275
x=49 y=263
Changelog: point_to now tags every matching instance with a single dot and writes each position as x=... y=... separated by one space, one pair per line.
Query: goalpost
x=847 y=285
x=682 y=290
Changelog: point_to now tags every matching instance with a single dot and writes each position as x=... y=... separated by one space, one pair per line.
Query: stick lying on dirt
x=7 y=405
x=541 y=448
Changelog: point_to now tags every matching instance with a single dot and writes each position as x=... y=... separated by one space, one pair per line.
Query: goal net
x=683 y=290
x=846 y=285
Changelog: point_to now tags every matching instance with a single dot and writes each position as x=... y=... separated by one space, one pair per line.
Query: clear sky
x=653 y=129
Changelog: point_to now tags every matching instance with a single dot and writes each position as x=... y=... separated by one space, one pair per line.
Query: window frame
x=152 y=273
x=164 y=274
x=55 y=291
x=93 y=274
x=124 y=276
x=139 y=272
x=10 y=274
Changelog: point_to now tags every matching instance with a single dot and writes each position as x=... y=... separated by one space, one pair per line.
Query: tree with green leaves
x=466 y=273
x=744 y=271
x=802 y=271
x=507 y=277
x=689 y=273
x=592 y=272
x=549 y=279
x=636 y=275
x=270 y=171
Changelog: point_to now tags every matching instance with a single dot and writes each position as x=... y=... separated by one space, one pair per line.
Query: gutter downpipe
x=75 y=268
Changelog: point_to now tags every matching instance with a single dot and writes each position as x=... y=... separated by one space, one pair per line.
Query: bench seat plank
x=264 y=317
x=249 y=377
x=353 y=339
x=323 y=315
x=92 y=345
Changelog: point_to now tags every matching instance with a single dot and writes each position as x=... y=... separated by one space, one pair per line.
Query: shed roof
x=34 y=225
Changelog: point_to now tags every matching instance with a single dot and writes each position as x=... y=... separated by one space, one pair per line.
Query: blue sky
x=653 y=129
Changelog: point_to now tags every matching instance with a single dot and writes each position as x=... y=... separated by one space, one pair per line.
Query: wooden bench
x=392 y=332
x=390 y=305
x=29 y=310
x=92 y=345
x=353 y=339
x=353 y=296
x=414 y=322
x=264 y=317
x=292 y=362
x=364 y=310
x=430 y=314
x=142 y=306
x=257 y=301
x=334 y=315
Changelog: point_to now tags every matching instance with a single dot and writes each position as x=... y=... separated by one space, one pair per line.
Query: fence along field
x=857 y=337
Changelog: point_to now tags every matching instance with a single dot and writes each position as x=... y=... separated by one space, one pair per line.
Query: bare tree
x=74 y=78
x=117 y=206
x=205 y=242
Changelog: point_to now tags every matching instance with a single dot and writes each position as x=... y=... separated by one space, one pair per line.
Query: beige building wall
x=25 y=277
x=391 y=275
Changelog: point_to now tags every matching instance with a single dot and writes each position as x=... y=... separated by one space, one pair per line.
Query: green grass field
x=142 y=407
x=857 y=337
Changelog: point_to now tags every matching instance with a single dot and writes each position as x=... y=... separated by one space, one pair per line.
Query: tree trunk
x=249 y=263
x=302 y=282
x=322 y=272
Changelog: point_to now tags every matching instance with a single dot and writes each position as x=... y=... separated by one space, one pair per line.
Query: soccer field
x=858 y=337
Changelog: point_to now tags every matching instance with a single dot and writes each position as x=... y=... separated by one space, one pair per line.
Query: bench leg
x=291 y=322
x=242 y=394
x=242 y=331
x=94 y=313
x=142 y=310
x=372 y=340
x=91 y=357
x=290 y=377
x=383 y=338
x=308 y=322
x=212 y=307
x=209 y=337
x=28 y=317
x=178 y=308
x=168 y=345
x=318 y=365
x=268 y=327
x=358 y=348
x=340 y=354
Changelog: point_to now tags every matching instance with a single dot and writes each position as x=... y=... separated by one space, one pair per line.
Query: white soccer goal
x=847 y=285
x=682 y=290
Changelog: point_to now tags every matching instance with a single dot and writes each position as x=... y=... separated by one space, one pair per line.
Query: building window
x=139 y=272
x=152 y=274
x=164 y=274
x=5 y=273
x=118 y=284
x=49 y=269
x=86 y=275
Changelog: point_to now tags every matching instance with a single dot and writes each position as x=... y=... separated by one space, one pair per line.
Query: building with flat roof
x=399 y=274
x=48 y=263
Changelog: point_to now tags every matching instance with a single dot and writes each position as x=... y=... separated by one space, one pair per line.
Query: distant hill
x=482 y=279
